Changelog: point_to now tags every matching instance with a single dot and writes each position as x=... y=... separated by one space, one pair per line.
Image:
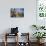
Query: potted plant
x=39 y=35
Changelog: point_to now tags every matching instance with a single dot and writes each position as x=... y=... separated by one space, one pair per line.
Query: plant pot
x=40 y=41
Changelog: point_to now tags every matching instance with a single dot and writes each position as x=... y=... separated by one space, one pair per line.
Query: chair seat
x=9 y=34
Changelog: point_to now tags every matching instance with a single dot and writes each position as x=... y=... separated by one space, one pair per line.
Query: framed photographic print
x=17 y=12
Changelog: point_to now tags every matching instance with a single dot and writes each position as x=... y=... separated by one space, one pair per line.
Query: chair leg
x=5 y=43
x=5 y=40
x=17 y=40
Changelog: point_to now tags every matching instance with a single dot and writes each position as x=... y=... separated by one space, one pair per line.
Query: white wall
x=24 y=24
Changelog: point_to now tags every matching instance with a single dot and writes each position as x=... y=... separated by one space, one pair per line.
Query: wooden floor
x=13 y=44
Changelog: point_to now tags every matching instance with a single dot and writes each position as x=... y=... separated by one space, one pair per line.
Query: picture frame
x=17 y=12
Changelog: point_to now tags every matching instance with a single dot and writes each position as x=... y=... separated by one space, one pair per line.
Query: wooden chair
x=8 y=34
